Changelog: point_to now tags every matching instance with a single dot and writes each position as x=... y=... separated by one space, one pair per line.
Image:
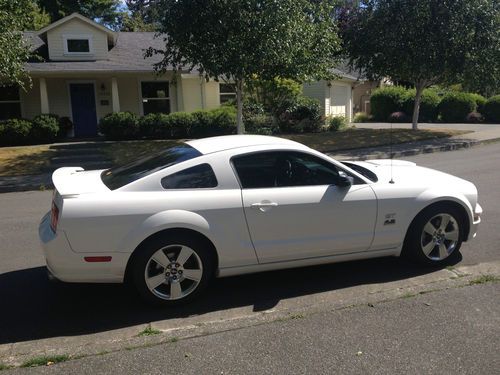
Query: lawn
x=36 y=159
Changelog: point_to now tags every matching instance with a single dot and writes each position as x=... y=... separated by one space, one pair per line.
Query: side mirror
x=345 y=181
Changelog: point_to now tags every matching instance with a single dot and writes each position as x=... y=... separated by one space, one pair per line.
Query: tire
x=173 y=271
x=435 y=236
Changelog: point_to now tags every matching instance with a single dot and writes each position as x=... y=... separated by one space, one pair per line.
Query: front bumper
x=66 y=265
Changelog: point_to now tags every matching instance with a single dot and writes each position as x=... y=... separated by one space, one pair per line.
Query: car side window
x=283 y=169
x=198 y=177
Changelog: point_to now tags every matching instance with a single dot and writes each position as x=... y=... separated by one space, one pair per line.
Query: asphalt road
x=37 y=309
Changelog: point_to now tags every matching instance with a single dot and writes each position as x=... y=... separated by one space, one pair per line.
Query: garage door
x=339 y=99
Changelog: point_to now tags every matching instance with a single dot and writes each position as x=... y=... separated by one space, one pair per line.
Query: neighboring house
x=89 y=71
x=347 y=95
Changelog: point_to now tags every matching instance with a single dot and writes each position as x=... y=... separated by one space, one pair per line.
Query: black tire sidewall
x=147 y=249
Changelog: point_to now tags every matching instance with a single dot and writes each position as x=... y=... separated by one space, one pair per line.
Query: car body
x=253 y=203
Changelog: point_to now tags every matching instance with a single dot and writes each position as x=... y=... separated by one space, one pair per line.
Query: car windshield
x=115 y=178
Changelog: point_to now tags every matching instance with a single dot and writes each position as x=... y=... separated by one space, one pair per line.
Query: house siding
x=316 y=90
x=30 y=101
x=55 y=40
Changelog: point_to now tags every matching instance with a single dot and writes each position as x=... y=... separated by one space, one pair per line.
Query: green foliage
x=429 y=103
x=107 y=11
x=336 y=123
x=39 y=17
x=424 y=42
x=492 y=109
x=480 y=101
x=15 y=50
x=119 y=125
x=387 y=100
x=361 y=117
x=155 y=126
x=180 y=124
x=144 y=15
x=261 y=124
x=271 y=93
x=45 y=128
x=455 y=106
x=299 y=115
x=14 y=132
x=293 y=39
x=44 y=360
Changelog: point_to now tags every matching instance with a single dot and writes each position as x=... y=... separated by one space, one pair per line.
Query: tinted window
x=115 y=178
x=280 y=169
x=198 y=177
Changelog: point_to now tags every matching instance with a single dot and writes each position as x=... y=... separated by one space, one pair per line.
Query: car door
x=295 y=208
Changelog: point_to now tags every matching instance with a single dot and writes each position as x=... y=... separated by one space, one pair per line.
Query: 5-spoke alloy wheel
x=172 y=272
x=435 y=236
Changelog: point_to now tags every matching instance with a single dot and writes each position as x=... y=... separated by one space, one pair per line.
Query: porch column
x=114 y=95
x=44 y=97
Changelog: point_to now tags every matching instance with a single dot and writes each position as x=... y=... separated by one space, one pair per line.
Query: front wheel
x=171 y=272
x=435 y=236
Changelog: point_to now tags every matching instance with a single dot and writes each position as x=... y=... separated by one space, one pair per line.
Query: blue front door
x=83 y=109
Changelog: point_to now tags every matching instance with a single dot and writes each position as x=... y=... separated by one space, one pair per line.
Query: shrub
x=299 y=115
x=45 y=128
x=65 y=125
x=336 y=123
x=361 y=117
x=387 y=100
x=260 y=124
x=455 y=106
x=15 y=132
x=155 y=126
x=474 y=117
x=252 y=108
x=491 y=109
x=119 y=125
x=480 y=101
x=429 y=104
x=398 y=117
x=180 y=124
x=223 y=121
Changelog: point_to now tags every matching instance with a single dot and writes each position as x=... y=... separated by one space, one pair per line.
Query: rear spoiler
x=63 y=184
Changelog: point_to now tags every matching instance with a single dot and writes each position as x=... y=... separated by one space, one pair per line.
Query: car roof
x=227 y=142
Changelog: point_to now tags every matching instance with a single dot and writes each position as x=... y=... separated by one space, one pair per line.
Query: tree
x=424 y=42
x=107 y=11
x=39 y=17
x=146 y=10
x=235 y=40
x=15 y=49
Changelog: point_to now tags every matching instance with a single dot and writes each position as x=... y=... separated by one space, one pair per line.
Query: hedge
x=119 y=125
x=480 y=101
x=491 y=109
x=299 y=115
x=387 y=100
x=455 y=106
x=15 y=132
x=42 y=129
x=429 y=105
x=336 y=123
x=45 y=128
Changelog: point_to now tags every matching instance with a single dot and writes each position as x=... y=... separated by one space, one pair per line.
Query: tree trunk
x=240 y=127
x=416 y=108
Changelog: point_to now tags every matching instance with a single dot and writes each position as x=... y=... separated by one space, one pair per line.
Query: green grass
x=3 y=366
x=483 y=279
x=149 y=331
x=173 y=339
x=45 y=360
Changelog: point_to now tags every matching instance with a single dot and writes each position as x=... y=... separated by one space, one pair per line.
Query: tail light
x=54 y=216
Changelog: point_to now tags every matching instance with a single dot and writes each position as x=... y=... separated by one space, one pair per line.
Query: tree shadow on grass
x=33 y=308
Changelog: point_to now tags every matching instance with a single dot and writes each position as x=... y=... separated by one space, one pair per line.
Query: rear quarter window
x=198 y=177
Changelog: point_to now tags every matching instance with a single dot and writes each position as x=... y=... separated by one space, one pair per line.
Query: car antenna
x=390 y=150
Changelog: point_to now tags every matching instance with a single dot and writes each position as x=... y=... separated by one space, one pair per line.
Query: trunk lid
x=70 y=181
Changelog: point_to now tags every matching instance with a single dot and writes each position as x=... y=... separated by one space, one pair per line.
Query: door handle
x=264 y=206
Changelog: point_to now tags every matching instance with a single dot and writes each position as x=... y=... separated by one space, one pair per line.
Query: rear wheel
x=435 y=236
x=173 y=271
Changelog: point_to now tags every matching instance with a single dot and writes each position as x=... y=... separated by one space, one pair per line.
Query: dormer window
x=77 y=44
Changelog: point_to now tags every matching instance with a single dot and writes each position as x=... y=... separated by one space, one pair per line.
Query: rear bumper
x=66 y=265
x=476 y=220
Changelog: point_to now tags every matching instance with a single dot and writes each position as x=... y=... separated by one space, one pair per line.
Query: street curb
x=45 y=183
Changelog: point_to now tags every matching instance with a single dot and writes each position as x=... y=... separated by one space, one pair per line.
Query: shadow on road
x=33 y=308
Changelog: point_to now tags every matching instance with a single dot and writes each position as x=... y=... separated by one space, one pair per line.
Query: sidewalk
x=481 y=134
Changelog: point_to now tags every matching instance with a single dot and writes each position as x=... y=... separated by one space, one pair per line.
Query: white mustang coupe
x=231 y=205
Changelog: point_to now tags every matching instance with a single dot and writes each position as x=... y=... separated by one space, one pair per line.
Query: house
x=89 y=71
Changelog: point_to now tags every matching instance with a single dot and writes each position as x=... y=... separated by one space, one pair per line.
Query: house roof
x=127 y=55
x=346 y=72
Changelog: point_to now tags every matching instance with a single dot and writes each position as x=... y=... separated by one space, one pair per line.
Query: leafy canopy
x=15 y=50
x=238 y=39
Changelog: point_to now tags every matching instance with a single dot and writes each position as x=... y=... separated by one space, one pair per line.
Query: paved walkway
x=481 y=134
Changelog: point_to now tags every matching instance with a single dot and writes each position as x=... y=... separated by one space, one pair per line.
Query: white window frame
x=89 y=38
x=15 y=102
x=231 y=95
x=142 y=99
